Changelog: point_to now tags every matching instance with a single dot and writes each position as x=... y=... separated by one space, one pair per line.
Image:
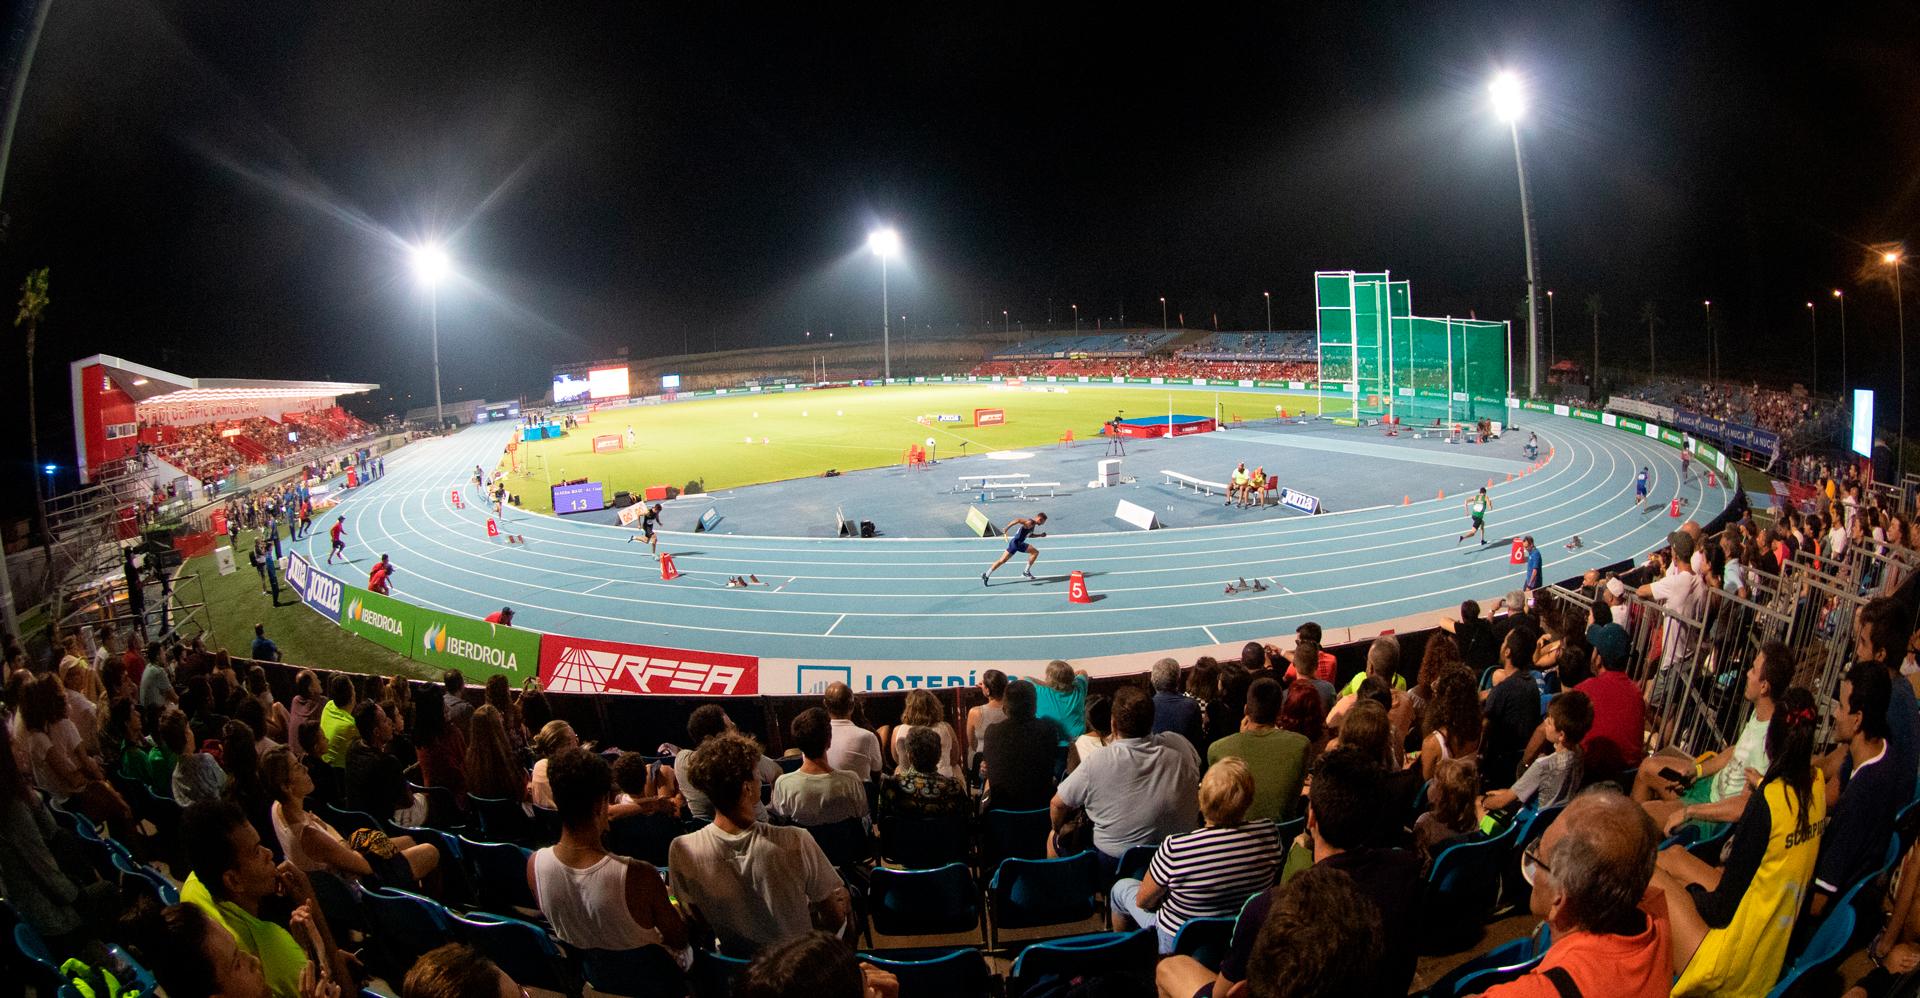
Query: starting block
x=1244 y=587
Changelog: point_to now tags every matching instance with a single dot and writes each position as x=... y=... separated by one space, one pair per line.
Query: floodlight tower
x=885 y=243
x=1509 y=103
x=430 y=266
x=1893 y=258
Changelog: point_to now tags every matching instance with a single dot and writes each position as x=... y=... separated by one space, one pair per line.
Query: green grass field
x=304 y=637
x=845 y=428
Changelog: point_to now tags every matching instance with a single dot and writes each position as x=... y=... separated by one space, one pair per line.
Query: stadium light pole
x=1076 y=317
x=1892 y=258
x=1551 y=353
x=1843 y=341
x=884 y=243
x=1268 y=295
x=1712 y=375
x=1163 y=311
x=1509 y=103
x=430 y=266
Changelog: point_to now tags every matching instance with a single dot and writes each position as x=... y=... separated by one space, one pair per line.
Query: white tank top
x=588 y=907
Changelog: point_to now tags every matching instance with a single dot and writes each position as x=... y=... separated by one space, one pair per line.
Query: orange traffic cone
x=667 y=570
x=1489 y=483
x=1509 y=476
x=1077 y=589
x=1406 y=500
x=1440 y=493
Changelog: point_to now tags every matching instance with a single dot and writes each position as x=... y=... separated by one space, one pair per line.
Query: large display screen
x=566 y=389
x=607 y=383
x=582 y=498
x=1863 y=422
x=669 y=382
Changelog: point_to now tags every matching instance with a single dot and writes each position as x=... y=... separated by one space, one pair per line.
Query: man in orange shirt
x=1591 y=874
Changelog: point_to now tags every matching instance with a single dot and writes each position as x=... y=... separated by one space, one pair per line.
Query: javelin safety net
x=1378 y=359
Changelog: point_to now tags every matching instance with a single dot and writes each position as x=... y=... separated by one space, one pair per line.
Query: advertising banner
x=1644 y=410
x=476 y=648
x=585 y=665
x=989 y=417
x=296 y=574
x=323 y=592
x=380 y=619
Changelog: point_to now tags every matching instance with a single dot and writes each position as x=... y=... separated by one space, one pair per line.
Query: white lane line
x=1210 y=636
x=836 y=623
x=606 y=583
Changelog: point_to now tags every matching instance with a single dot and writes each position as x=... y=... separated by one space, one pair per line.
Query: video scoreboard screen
x=584 y=497
x=607 y=383
x=567 y=388
x=669 y=382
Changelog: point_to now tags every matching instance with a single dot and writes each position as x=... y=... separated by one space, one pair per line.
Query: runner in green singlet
x=1477 y=507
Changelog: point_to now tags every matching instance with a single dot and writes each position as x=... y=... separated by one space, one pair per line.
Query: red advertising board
x=606 y=442
x=989 y=417
x=587 y=665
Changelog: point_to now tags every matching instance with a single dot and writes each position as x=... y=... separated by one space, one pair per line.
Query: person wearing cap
x=1613 y=742
x=502 y=616
x=1615 y=598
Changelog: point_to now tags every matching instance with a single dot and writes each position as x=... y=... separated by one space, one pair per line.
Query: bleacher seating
x=1259 y=347
x=1092 y=345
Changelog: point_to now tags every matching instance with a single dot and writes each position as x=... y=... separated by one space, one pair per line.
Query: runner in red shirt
x=381 y=578
x=502 y=616
x=339 y=534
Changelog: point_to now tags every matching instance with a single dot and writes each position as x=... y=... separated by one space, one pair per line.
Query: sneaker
x=1457 y=540
x=1027 y=575
x=983 y=579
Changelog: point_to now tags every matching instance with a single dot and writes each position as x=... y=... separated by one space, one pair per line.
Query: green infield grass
x=718 y=442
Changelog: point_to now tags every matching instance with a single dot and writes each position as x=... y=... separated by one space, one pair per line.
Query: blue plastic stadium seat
x=401 y=926
x=647 y=972
x=1204 y=939
x=924 y=902
x=1030 y=893
x=1463 y=887
x=1134 y=862
x=499 y=870
x=1123 y=955
x=846 y=842
x=944 y=972
x=923 y=843
x=1013 y=835
x=522 y=949
x=501 y=820
x=1812 y=972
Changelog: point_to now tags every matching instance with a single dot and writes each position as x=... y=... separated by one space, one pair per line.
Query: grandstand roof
x=152 y=386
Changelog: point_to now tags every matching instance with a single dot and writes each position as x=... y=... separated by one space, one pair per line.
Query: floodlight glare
x=430 y=264
x=1891 y=257
x=1509 y=98
x=884 y=242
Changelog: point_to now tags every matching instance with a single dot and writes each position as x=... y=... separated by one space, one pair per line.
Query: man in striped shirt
x=1206 y=873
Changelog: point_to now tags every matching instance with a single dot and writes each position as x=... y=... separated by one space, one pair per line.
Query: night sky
x=220 y=188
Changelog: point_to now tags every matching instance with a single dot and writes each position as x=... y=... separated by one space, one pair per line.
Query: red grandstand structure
x=206 y=428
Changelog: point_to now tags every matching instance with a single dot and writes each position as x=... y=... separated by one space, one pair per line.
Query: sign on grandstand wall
x=1644 y=410
x=383 y=620
x=478 y=649
x=587 y=665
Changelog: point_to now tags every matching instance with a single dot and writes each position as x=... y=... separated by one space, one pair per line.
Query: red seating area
x=211 y=451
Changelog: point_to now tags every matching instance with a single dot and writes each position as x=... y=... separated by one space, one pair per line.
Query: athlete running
x=1477 y=507
x=1640 y=488
x=1685 y=463
x=339 y=534
x=647 y=520
x=1018 y=530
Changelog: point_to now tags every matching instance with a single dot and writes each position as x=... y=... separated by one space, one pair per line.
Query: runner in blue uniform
x=1018 y=530
x=1640 y=488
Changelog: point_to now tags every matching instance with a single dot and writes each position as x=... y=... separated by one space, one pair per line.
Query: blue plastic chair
x=501 y=820
x=1123 y=955
x=941 y=972
x=1906 y=825
x=42 y=970
x=443 y=807
x=1507 y=954
x=923 y=843
x=522 y=949
x=347 y=822
x=147 y=878
x=1030 y=893
x=647 y=972
x=1463 y=887
x=1533 y=824
x=1134 y=862
x=1830 y=943
x=1204 y=939
x=499 y=869
x=1481 y=980
x=924 y=902
x=713 y=974
x=546 y=825
x=643 y=836
x=401 y=927
x=1013 y=835
x=846 y=842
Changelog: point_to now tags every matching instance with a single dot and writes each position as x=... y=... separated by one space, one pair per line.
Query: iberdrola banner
x=383 y=620
x=478 y=649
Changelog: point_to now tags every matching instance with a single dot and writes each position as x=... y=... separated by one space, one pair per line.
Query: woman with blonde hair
x=923 y=711
x=1208 y=873
x=492 y=770
x=554 y=738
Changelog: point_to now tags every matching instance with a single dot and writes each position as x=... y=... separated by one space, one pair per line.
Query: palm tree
x=1593 y=378
x=33 y=302
x=1650 y=314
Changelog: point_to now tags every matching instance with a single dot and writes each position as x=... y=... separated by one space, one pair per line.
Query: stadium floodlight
x=1843 y=340
x=1509 y=96
x=1509 y=103
x=431 y=265
x=885 y=243
x=1892 y=259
